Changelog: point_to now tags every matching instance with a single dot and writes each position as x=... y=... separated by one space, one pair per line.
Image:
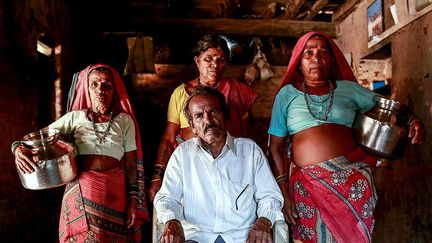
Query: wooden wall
x=404 y=186
x=151 y=94
x=404 y=210
x=25 y=87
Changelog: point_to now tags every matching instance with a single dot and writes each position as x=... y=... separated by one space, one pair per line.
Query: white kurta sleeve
x=168 y=199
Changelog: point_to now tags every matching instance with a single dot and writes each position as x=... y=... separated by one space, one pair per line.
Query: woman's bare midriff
x=320 y=143
x=97 y=162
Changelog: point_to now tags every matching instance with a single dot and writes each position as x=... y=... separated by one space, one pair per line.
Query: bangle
x=160 y=166
x=280 y=178
x=157 y=179
x=131 y=186
x=14 y=146
x=414 y=120
x=132 y=194
x=159 y=170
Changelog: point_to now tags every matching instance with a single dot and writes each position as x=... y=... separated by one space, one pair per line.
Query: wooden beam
x=318 y=5
x=344 y=10
x=247 y=27
x=292 y=8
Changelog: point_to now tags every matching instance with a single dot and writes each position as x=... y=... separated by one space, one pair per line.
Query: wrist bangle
x=14 y=146
x=280 y=178
x=133 y=187
x=159 y=171
x=160 y=166
x=414 y=120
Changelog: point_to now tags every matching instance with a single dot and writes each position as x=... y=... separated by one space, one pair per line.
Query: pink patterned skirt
x=94 y=208
x=335 y=200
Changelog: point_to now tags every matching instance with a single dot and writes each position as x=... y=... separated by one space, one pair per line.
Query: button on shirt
x=222 y=196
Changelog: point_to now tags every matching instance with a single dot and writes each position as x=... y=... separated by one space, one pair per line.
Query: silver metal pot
x=55 y=160
x=377 y=130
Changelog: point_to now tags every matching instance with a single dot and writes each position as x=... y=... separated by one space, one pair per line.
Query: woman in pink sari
x=106 y=202
x=330 y=196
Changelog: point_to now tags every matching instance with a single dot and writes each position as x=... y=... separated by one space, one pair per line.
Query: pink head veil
x=341 y=68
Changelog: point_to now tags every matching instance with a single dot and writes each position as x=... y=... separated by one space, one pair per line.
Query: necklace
x=199 y=84
x=101 y=135
x=327 y=111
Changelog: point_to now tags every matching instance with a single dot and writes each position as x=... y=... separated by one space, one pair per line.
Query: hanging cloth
x=260 y=61
x=140 y=59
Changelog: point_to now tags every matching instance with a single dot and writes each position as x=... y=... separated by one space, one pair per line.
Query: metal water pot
x=55 y=160
x=378 y=132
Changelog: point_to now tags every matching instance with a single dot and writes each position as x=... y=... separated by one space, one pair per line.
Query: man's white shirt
x=222 y=196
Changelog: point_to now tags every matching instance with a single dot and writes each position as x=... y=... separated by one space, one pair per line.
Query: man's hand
x=261 y=231
x=173 y=232
x=155 y=185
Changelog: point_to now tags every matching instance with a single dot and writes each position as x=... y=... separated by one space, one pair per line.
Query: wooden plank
x=347 y=8
x=248 y=27
x=318 y=5
x=292 y=8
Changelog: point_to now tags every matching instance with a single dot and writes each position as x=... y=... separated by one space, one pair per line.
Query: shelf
x=384 y=36
x=381 y=50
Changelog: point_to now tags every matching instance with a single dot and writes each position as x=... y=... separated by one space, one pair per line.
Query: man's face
x=208 y=120
x=211 y=65
x=316 y=60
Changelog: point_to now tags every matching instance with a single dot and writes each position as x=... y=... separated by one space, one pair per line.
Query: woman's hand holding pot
x=24 y=159
x=417 y=132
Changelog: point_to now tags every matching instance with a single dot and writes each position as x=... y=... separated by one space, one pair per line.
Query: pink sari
x=239 y=98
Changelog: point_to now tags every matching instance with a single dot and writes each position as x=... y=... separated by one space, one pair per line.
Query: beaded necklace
x=101 y=135
x=327 y=111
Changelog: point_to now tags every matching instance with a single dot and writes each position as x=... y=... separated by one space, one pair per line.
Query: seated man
x=217 y=188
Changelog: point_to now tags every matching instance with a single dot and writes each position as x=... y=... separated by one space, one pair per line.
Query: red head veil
x=341 y=68
x=79 y=98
